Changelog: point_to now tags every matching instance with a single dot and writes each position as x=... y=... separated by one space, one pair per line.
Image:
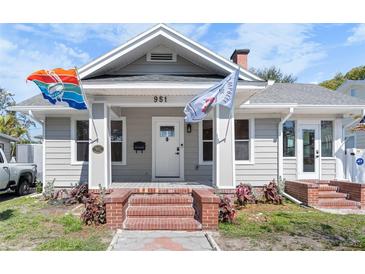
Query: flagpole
x=87 y=106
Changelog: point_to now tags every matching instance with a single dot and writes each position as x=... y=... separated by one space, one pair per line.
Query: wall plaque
x=98 y=149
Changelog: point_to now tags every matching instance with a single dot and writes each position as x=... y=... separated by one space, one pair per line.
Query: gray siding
x=58 y=154
x=139 y=165
x=290 y=168
x=360 y=139
x=7 y=147
x=141 y=66
x=328 y=168
x=264 y=168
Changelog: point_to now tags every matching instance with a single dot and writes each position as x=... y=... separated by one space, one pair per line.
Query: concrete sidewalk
x=128 y=240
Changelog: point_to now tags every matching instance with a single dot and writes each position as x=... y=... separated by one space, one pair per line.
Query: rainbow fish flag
x=60 y=85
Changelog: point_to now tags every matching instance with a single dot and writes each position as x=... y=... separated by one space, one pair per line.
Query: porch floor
x=161 y=185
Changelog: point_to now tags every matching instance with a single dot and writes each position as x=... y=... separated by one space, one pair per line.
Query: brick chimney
x=239 y=56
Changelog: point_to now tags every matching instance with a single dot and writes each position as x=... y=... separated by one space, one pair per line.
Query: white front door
x=168 y=148
x=308 y=151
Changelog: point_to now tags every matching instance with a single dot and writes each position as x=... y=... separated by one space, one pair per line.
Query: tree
x=335 y=82
x=274 y=73
x=11 y=123
x=357 y=73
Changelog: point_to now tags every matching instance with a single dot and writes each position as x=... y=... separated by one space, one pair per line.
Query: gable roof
x=136 y=47
x=302 y=94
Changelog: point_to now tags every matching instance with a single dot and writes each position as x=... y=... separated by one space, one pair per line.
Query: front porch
x=153 y=147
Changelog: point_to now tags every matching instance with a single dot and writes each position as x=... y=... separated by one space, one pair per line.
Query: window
x=289 y=139
x=167 y=131
x=326 y=138
x=118 y=140
x=207 y=140
x=82 y=141
x=242 y=140
x=353 y=92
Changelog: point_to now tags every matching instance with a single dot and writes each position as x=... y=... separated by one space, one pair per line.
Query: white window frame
x=201 y=161
x=251 y=142
x=74 y=142
x=124 y=142
x=295 y=140
x=333 y=138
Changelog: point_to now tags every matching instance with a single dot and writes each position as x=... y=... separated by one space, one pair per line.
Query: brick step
x=160 y=199
x=331 y=195
x=327 y=188
x=162 y=224
x=162 y=190
x=161 y=210
x=336 y=203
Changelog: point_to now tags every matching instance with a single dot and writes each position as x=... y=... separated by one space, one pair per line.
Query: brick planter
x=355 y=191
x=305 y=192
x=116 y=203
x=206 y=204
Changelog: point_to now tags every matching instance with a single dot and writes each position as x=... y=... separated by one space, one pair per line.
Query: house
x=137 y=93
x=354 y=88
x=5 y=144
x=133 y=140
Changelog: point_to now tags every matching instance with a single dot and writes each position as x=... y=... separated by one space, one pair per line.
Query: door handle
x=177 y=153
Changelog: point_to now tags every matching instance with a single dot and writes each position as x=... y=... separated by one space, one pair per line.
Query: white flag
x=222 y=93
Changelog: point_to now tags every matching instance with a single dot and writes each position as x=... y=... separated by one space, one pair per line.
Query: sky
x=311 y=52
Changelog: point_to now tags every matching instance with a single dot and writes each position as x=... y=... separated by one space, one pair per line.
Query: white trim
x=124 y=142
x=251 y=125
x=200 y=144
x=180 y=120
x=44 y=156
x=300 y=124
x=73 y=139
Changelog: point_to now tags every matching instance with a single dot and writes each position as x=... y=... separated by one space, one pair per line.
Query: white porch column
x=339 y=149
x=99 y=161
x=224 y=150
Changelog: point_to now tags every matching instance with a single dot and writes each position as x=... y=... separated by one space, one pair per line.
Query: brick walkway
x=160 y=241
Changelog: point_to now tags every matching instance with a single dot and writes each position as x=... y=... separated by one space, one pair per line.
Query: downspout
x=280 y=143
x=280 y=155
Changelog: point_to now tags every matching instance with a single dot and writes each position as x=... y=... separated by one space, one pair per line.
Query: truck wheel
x=23 y=187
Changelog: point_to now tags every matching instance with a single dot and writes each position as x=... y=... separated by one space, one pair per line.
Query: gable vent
x=161 y=57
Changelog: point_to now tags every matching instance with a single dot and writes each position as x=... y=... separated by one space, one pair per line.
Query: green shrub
x=39 y=187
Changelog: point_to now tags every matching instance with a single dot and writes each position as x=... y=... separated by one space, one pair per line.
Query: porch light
x=188 y=128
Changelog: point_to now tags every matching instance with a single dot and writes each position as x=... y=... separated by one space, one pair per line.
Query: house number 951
x=160 y=99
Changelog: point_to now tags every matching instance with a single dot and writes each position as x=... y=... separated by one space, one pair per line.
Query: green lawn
x=290 y=227
x=31 y=224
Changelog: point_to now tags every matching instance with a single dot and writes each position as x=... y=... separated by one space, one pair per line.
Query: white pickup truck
x=16 y=176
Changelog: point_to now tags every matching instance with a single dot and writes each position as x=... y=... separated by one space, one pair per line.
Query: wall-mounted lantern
x=188 y=128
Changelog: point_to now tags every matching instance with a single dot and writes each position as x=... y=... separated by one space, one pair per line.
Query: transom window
x=207 y=139
x=117 y=139
x=82 y=140
x=327 y=138
x=242 y=139
x=289 y=139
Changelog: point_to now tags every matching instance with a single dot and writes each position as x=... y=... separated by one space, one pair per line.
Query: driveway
x=128 y=240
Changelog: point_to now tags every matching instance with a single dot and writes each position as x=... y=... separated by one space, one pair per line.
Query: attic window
x=161 y=57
